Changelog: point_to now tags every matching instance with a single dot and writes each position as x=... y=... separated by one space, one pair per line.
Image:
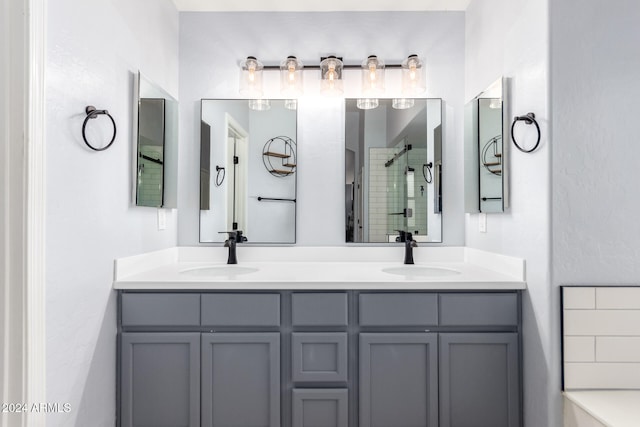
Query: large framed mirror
x=156 y=149
x=248 y=170
x=393 y=170
x=486 y=154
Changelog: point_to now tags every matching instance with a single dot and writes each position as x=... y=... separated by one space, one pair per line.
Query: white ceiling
x=318 y=5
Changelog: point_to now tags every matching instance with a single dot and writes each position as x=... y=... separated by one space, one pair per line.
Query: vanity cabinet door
x=241 y=379
x=160 y=379
x=398 y=380
x=479 y=380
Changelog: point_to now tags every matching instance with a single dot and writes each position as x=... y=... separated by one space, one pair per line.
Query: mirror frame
x=170 y=143
x=472 y=181
x=212 y=177
x=436 y=172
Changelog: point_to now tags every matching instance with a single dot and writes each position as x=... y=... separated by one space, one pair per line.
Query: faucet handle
x=402 y=237
x=235 y=235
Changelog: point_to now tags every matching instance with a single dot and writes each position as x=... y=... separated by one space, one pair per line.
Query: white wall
x=510 y=38
x=212 y=44
x=94 y=49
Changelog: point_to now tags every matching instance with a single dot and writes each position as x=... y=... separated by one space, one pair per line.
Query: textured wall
x=595 y=92
x=510 y=38
x=212 y=44
x=94 y=49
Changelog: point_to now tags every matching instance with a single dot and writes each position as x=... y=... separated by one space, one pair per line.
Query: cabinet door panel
x=241 y=380
x=479 y=380
x=398 y=380
x=319 y=356
x=160 y=380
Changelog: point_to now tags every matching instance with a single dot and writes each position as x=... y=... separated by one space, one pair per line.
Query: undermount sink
x=219 y=270
x=420 y=271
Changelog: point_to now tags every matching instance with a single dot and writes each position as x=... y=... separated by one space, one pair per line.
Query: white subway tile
x=618 y=298
x=601 y=375
x=618 y=349
x=579 y=349
x=579 y=298
x=602 y=322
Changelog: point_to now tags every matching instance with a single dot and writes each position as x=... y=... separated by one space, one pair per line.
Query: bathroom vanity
x=323 y=343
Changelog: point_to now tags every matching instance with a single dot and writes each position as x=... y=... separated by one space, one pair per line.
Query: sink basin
x=221 y=270
x=420 y=271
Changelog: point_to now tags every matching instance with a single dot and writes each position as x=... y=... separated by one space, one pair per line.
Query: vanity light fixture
x=291 y=77
x=372 y=76
x=331 y=76
x=251 y=77
x=259 y=104
x=412 y=76
x=291 y=104
x=402 y=103
x=367 y=103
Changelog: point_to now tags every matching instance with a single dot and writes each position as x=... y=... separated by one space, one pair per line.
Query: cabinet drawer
x=320 y=407
x=401 y=309
x=319 y=356
x=160 y=309
x=499 y=309
x=319 y=309
x=241 y=309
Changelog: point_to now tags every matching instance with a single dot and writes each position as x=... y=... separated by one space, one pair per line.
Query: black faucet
x=409 y=244
x=235 y=237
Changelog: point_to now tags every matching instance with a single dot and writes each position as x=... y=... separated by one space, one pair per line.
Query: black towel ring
x=529 y=118
x=92 y=113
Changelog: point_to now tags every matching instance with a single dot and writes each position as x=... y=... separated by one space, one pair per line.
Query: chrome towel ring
x=92 y=113
x=529 y=118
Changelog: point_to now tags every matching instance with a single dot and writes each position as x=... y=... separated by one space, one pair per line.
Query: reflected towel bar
x=275 y=199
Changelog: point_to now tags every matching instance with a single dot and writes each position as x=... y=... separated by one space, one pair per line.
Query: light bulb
x=372 y=76
x=291 y=77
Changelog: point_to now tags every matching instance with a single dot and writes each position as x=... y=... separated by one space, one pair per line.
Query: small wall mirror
x=486 y=153
x=248 y=169
x=393 y=170
x=156 y=149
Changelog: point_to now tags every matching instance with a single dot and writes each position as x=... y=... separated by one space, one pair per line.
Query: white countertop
x=613 y=408
x=318 y=268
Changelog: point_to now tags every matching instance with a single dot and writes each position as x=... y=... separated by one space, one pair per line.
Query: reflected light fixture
x=402 y=103
x=495 y=103
x=251 y=77
x=367 y=103
x=259 y=104
x=291 y=104
x=291 y=77
x=412 y=76
x=372 y=75
x=331 y=76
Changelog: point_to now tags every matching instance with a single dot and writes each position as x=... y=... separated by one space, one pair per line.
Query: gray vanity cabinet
x=369 y=358
x=160 y=379
x=241 y=379
x=398 y=380
x=479 y=380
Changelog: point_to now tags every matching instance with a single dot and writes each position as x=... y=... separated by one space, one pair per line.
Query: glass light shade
x=331 y=76
x=251 y=77
x=291 y=76
x=413 y=76
x=402 y=103
x=372 y=75
x=367 y=103
x=259 y=104
x=291 y=104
